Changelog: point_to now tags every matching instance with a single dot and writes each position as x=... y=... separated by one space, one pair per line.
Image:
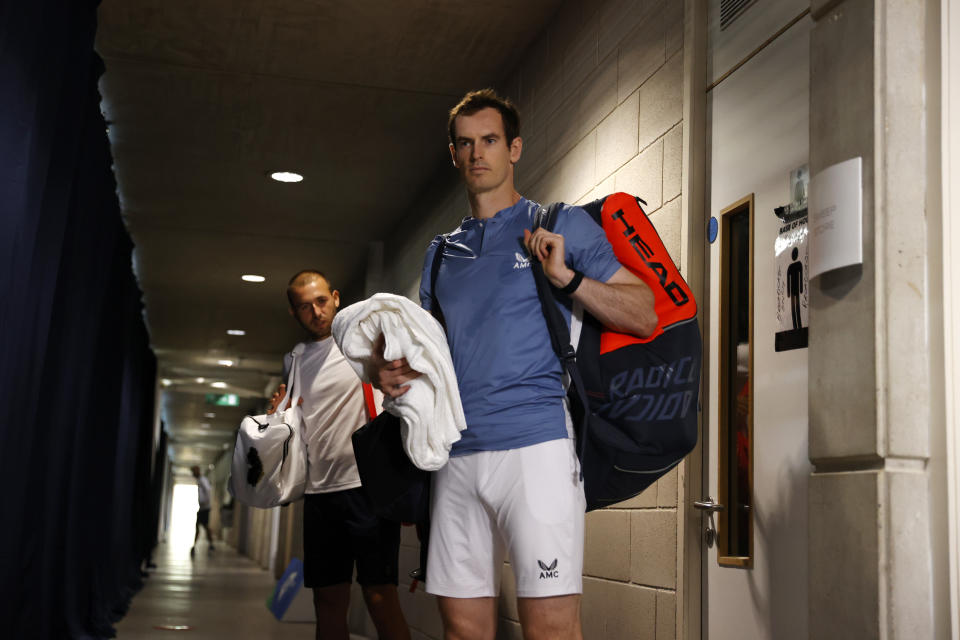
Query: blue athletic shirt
x=509 y=376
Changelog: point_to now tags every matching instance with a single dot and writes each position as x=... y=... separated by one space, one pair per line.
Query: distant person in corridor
x=340 y=529
x=203 y=510
x=512 y=483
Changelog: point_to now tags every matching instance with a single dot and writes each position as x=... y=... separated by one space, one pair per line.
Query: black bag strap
x=559 y=333
x=434 y=270
x=423 y=524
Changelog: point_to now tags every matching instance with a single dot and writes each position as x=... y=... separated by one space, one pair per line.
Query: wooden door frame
x=724 y=558
x=690 y=557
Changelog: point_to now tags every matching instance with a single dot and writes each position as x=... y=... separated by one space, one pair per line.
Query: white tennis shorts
x=527 y=503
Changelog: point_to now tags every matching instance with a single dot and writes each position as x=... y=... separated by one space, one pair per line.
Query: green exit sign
x=223 y=399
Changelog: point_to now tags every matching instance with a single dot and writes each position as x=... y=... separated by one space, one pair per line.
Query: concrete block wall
x=600 y=94
x=870 y=541
x=601 y=99
x=251 y=533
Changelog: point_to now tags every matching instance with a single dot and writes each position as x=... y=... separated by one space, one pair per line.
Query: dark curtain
x=77 y=375
x=149 y=529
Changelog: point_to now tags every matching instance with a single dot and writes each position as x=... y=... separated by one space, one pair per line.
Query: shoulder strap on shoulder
x=546 y=217
x=434 y=270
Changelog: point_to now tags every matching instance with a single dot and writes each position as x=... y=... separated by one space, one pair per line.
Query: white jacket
x=431 y=412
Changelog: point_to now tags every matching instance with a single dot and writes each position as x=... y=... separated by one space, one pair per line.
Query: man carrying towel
x=512 y=483
x=340 y=529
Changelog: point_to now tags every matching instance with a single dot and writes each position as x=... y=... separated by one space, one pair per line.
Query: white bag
x=270 y=457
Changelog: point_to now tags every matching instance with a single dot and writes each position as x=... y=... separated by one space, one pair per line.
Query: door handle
x=708 y=505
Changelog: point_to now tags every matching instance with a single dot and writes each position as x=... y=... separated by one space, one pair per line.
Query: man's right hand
x=277 y=397
x=390 y=376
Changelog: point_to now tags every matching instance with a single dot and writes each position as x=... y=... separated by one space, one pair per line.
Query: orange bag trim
x=639 y=249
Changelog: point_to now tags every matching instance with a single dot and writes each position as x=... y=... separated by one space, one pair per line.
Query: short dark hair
x=482 y=99
x=305 y=277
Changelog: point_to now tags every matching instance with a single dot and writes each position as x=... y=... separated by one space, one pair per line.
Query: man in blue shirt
x=512 y=483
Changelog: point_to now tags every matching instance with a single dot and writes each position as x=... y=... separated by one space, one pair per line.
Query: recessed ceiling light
x=225 y=363
x=236 y=332
x=226 y=445
x=166 y=382
x=249 y=277
x=205 y=425
x=209 y=415
x=219 y=385
x=286 y=176
x=201 y=380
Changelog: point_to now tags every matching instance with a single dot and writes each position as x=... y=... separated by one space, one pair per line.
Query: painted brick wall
x=601 y=100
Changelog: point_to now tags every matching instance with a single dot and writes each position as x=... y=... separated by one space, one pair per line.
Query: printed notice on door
x=792 y=267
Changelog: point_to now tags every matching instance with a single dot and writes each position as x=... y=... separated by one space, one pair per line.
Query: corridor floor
x=218 y=596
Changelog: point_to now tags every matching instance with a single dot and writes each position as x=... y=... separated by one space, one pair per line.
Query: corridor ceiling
x=205 y=99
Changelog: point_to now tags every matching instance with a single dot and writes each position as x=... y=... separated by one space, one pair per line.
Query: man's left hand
x=389 y=376
x=549 y=249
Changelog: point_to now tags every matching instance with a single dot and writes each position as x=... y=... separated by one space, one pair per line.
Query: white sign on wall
x=836 y=214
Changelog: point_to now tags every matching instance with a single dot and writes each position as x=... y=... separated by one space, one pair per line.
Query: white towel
x=431 y=413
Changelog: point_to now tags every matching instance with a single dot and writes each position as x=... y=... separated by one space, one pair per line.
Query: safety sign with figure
x=793 y=267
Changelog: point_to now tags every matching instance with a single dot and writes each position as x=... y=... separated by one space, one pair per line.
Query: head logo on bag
x=640 y=250
x=254 y=467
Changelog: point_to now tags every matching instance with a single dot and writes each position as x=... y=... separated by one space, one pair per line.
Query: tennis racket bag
x=634 y=400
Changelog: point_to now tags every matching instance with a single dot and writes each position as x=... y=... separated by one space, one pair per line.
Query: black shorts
x=340 y=529
x=203 y=517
